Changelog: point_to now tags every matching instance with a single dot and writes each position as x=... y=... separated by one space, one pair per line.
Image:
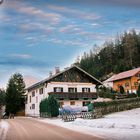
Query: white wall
x=108 y=84
x=50 y=88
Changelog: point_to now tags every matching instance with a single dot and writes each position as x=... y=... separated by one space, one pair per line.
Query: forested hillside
x=115 y=56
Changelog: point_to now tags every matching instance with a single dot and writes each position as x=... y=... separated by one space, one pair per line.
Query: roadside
x=117 y=126
x=4 y=126
x=31 y=129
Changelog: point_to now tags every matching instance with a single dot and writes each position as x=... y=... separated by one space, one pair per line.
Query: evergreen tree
x=52 y=106
x=12 y=98
x=20 y=86
x=113 y=57
x=2 y=97
x=15 y=94
x=49 y=106
x=43 y=106
x=138 y=91
x=122 y=90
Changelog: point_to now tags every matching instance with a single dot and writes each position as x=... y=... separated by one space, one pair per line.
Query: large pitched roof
x=49 y=78
x=125 y=74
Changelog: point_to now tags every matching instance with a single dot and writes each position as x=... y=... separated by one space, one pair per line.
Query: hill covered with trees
x=114 y=57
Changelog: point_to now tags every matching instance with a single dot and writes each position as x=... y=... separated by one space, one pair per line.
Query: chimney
x=50 y=74
x=57 y=70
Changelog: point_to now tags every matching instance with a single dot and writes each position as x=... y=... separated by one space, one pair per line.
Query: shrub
x=106 y=94
x=49 y=107
x=138 y=91
x=121 y=89
x=43 y=106
x=132 y=95
x=52 y=106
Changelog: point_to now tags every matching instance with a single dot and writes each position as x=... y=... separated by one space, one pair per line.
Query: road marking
x=4 y=126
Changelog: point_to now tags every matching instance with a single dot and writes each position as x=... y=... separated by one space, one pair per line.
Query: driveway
x=30 y=129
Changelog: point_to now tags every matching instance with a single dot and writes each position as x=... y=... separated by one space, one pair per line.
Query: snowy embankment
x=4 y=126
x=117 y=126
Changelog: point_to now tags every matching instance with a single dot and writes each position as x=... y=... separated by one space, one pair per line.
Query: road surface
x=30 y=129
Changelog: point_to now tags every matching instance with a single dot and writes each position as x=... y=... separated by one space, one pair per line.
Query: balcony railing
x=76 y=95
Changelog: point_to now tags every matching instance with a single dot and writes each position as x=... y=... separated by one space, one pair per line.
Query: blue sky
x=37 y=35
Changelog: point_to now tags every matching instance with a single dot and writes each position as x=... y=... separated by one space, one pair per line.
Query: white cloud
x=21 y=56
x=75 y=13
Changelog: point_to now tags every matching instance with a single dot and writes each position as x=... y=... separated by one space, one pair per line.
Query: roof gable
x=72 y=74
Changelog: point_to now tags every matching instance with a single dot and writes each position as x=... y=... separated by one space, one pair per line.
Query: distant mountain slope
x=116 y=56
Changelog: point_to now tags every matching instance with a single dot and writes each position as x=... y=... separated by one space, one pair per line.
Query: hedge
x=116 y=105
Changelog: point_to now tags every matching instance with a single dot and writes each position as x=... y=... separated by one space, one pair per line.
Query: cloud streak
x=75 y=13
x=21 y=56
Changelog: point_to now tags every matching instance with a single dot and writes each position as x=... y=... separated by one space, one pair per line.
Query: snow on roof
x=125 y=74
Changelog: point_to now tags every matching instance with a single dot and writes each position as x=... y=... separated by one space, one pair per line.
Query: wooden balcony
x=77 y=95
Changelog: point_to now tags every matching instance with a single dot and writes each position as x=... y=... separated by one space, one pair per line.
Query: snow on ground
x=4 y=126
x=117 y=126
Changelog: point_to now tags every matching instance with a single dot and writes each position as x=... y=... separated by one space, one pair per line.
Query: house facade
x=71 y=87
x=128 y=79
x=108 y=83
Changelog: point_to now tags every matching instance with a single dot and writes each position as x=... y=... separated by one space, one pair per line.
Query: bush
x=43 y=106
x=115 y=102
x=138 y=91
x=52 y=106
x=106 y=94
x=49 y=107
x=121 y=89
x=132 y=95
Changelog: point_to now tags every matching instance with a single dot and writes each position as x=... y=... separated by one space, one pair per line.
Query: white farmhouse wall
x=50 y=88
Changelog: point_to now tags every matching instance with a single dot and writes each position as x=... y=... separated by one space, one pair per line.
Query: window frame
x=72 y=88
x=58 y=89
x=72 y=102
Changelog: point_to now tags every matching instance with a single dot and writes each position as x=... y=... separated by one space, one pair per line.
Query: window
x=41 y=91
x=58 y=89
x=127 y=84
x=33 y=106
x=72 y=102
x=71 y=90
x=85 y=89
x=30 y=99
x=61 y=104
x=33 y=93
x=136 y=83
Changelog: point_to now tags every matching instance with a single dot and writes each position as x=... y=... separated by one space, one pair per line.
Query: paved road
x=30 y=129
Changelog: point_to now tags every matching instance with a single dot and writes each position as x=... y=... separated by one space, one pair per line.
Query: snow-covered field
x=117 y=126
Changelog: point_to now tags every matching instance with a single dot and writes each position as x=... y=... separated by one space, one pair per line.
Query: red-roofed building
x=128 y=79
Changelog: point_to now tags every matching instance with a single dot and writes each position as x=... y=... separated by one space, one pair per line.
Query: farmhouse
x=128 y=79
x=73 y=87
